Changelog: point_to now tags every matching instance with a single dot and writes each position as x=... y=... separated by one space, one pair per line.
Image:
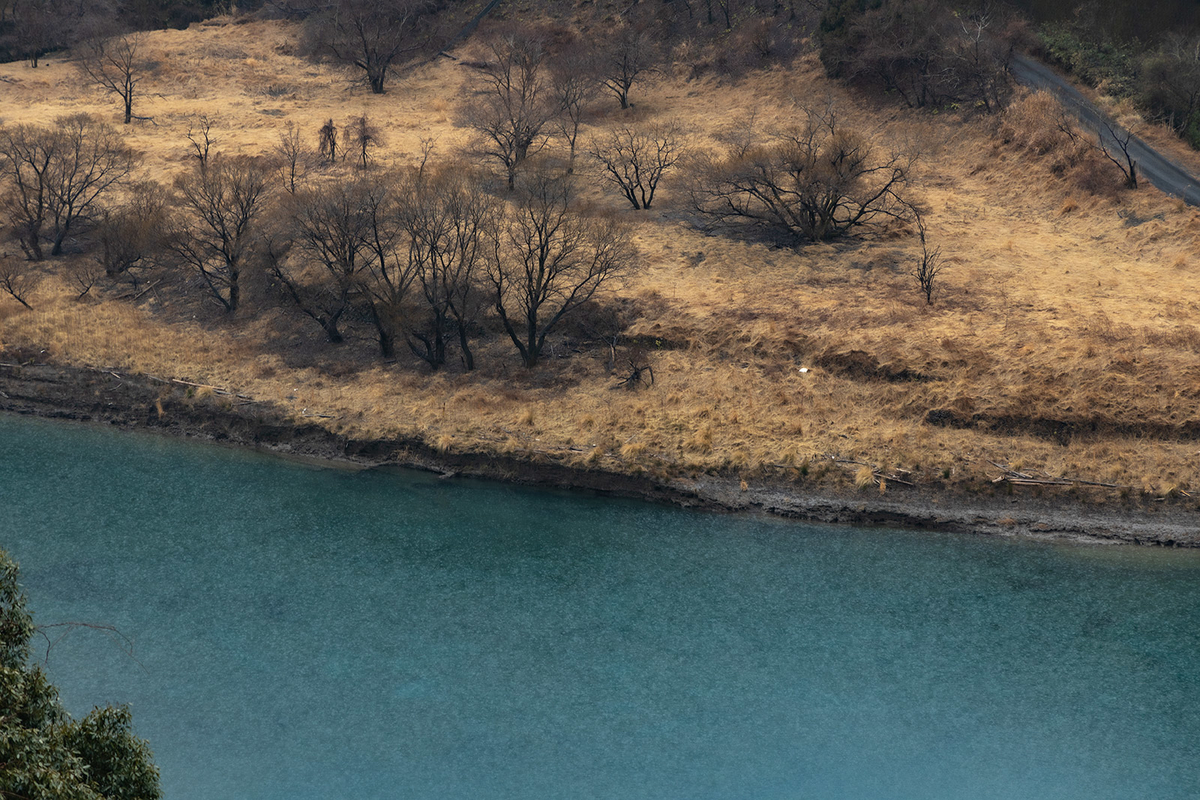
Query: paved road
x=1152 y=166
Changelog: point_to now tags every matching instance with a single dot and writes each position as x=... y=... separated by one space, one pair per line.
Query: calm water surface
x=318 y=633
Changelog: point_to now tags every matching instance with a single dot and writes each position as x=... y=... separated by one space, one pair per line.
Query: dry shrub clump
x=1032 y=123
x=1037 y=125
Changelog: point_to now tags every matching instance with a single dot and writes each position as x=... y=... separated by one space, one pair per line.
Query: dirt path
x=1156 y=168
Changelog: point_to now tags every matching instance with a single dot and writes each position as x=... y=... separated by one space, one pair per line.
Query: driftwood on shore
x=876 y=471
x=1015 y=478
x=217 y=390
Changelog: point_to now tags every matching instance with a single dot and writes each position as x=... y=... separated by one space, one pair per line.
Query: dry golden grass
x=1056 y=306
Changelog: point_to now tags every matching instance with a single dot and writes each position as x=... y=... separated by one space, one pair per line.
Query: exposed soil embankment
x=1062 y=430
x=179 y=408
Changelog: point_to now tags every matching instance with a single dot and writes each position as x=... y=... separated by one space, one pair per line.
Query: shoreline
x=141 y=402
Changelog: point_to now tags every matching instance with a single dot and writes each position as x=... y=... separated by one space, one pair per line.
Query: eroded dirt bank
x=178 y=408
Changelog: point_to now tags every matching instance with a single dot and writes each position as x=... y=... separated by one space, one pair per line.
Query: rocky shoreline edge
x=179 y=408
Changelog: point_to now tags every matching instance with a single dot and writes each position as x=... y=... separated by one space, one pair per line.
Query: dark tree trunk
x=59 y=238
x=376 y=77
x=432 y=350
x=30 y=240
x=532 y=351
x=468 y=357
x=235 y=291
x=528 y=357
x=387 y=341
x=332 y=334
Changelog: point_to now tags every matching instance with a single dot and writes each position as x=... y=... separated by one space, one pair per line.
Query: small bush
x=1032 y=123
x=1037 y=125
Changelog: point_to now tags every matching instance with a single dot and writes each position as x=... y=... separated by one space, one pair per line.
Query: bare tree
x=627 y=55
x=428 y=146
x=53 y=177
x=27 y=158
x=372 y=35
x=547 y=260
x=41 y=26
x=929 y=264
x=115 y=64
x=897 y=45
x=132 y=233
x=922 y=50
x=1116 y=143
x=221 y=203
x=575 y=87
x=366 y=136
x=332 y=230
x=16 y=279
x=92 y=160
x=340 y=254
x=977 y=62
x=741 y=134
x=389 y=276
x=294 y=158
x=816 y=182
x=201 y=138
x=84 y=273
x=635 y=160
x=327 y=141
x=514 y=104
x=448 y=220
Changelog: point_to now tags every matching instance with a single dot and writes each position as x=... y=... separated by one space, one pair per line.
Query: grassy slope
x=1072 y=316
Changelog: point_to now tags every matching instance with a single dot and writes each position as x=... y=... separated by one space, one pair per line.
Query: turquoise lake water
x=306 y=632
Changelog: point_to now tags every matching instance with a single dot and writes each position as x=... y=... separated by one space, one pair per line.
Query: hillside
x=1062 y=344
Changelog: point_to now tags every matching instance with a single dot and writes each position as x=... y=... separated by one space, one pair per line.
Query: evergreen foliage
x=44 y=754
